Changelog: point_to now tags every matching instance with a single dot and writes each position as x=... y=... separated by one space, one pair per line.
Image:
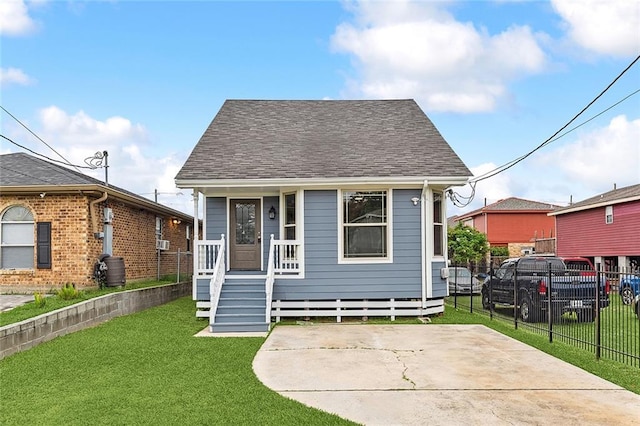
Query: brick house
x=53 y=228
x=514 y=223
x=604 y=228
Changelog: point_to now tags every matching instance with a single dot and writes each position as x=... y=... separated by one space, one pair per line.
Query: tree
x=466 y=244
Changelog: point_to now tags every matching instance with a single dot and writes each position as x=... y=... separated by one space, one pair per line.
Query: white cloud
x=605 y=27
x=600 y=158
x=10 y=76
x=133 y=162
x=418 y=50
x=15 y=19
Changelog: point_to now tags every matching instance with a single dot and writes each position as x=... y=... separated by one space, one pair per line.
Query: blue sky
x=144 y=79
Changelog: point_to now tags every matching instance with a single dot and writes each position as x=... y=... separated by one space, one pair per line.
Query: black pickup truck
x=536 y=277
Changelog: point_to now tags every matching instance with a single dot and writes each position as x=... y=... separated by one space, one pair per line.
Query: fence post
x=515 y=297
x=472 y=267
x=178 y=272
x=597 y=311
x=549 y=304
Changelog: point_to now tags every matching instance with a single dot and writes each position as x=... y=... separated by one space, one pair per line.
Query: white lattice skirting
x=355 y=308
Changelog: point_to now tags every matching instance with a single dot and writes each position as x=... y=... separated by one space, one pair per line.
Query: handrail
x=217 y=279
x=268 y=284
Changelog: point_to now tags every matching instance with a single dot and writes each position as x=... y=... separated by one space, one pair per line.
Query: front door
x=245 y=240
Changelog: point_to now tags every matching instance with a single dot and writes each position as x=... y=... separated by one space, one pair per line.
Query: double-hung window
x=608 y=215
x=16 y=238
x=438 y=225
x=365 y=225
x=290 y=216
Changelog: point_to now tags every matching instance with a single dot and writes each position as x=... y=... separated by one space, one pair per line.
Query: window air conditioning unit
x=162 y=244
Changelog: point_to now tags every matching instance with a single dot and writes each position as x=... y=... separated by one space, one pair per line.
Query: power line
x=44 y=156
x=552 y=138
x=39 y=138
x=456 y=198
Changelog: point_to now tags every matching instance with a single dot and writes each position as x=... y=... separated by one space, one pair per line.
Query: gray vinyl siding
x=326 y=279
x=202 y=289
x=439 y=284
x=216 y=220
x=269 y=226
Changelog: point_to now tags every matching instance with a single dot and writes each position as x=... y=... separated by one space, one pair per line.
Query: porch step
x=242 y=306
x=244 y=327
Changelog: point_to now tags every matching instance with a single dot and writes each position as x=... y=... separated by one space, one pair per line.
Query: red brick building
x=56 y=222
x=514 y=223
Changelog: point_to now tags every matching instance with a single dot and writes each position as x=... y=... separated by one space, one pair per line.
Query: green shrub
x=39 y=299
x=68 y=292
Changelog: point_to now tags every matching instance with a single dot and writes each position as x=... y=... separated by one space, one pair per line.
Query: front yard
x=145 y=368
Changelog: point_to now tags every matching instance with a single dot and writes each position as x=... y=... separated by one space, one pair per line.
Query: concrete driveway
x=435 y=375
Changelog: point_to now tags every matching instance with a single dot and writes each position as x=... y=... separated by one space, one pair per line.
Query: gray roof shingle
x=258 y=139
x=613 y=196
x=21 y=169
x=511 y=204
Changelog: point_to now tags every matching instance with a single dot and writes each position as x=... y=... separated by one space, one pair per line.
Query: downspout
x=94 y=218
x=194 y=246
x=426 y=277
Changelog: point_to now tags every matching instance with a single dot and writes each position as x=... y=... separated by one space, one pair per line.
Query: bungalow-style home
x=604 y=228
x=320 y=208
x=55 y=223
x=514 y=223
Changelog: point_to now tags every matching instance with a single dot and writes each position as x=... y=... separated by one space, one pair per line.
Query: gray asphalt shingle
x=258 y=139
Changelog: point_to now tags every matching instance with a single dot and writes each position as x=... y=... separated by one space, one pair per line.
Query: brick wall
x=70 y=243
x=75 y=249
x=31 y=332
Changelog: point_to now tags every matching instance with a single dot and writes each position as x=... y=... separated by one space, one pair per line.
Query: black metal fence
x=596 y=310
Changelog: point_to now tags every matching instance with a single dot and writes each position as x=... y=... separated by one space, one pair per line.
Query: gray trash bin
x=115 y=271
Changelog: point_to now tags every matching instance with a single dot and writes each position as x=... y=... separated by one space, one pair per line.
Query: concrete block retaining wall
x=26 y=334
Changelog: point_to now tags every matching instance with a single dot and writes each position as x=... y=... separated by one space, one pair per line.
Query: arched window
x=16 y=238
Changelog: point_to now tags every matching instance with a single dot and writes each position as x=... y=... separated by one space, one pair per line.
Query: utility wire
x=44 y=156
x=39 y=138
x=456 y=198
x=552 y=138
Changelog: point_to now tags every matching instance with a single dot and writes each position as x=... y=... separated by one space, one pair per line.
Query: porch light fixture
x=272 y=213
x=415 y=200
x=176 y=221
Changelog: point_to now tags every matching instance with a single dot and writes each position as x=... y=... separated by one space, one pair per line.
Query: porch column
x=194 y=245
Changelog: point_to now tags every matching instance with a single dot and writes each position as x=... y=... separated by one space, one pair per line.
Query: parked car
x=629 y=287
x=583 y=267
x=525 y=283
x=461 y=281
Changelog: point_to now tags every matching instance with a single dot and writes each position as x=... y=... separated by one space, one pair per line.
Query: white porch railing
x=218 y=270
x=268 y=284
x=207 y=255
x=288 y=257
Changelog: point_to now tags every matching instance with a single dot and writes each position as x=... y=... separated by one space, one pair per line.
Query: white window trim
x=299 y=193
x=608 y=214
x=365 y=260
x=443 y=214
x=9 y=245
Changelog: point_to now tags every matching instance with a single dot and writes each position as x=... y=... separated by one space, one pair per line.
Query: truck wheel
x=527 y=310
x=486 y=300
x=627 y=295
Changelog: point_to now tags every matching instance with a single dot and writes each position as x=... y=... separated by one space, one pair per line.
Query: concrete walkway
x=435 y=375
x=10 y=301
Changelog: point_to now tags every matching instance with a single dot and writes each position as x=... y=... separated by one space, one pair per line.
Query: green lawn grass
x=30 y=310
x=145 y=368
x=623 y=375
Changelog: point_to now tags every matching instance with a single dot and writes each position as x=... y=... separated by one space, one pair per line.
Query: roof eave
x=90 y=188
x=417 y=181
x=594 y=205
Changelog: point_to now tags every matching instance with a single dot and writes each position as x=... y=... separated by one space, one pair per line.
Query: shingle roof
x=611 y=197
x=21 y=169
x=258 y=139
x=511 y=204
x=24 y=170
